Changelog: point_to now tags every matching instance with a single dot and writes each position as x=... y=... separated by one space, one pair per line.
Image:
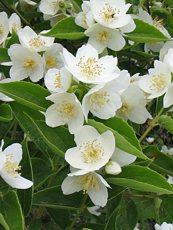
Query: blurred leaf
x=123 y=217
x=166 y=122
x=5 y=113
x=4 y=57
x=3 y=222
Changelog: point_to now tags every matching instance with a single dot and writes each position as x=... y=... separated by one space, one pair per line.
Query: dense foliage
x=86 y=120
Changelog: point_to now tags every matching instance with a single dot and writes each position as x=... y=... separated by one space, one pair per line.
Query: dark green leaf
x=5 y=113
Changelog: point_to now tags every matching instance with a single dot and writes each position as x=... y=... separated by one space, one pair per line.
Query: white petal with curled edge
x=123 y=158
x=15 y=152
x=71 y=184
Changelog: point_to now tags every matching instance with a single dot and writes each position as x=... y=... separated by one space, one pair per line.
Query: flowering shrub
x=86 y=120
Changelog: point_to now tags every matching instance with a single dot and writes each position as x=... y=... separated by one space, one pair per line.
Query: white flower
x=104 y=100
x=157 y=81
x=25 y=63
x=29 y=2
x=10 y=169
x=134 y=105
x=158 y=24
x=170 y=179
x=111 y=14
x=58 y=81
x=3 y=97
x=4 y=27
x=53 y=57
x=88 y=68
x=164 y=50
x=113 y=168
x=91 y=183
x=85 y=18
x=164 y=226
x=65 y=110
x=168 y=59
x=29 y=39
x=168 y=98
x=49 y=7
x=93 y=150
x=94 y=210
x=101 y=37
x=122 y=158
x=14 y=23
x=167 y=151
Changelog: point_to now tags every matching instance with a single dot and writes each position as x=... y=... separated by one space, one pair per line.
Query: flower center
x=99 y=99
x=1 y=30
x=58 y=83
x=125 y=109
x=158 y=82
x=51 y=62
x=103 y=36
x=36 y=42
x=29 y=64
x=158 y=23
x=92 y=152
x=109 y=13
x=89 y=181
x=15 y=27
x=67 y=110
x=90 y=67
x=12 y=168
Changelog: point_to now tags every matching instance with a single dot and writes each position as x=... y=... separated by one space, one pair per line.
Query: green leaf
x=5 y=113
x=66 y=29
x=146 y=33
x=124 y=129
x=47 y=139
x=142 y=179
x=26 y=93
x=123 y=217
x=12 y=212
x=25 y=196
x=121 y=141
x=54 y=198
x=166 y=214
x=162 y=162
x=166 y=122
x=4 y=57
x=3 y=222
x=41 y=171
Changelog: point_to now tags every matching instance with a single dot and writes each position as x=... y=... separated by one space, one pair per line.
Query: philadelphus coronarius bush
x=86 y=114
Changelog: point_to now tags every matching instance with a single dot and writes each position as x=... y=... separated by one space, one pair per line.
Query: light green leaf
x=5 y=113
x=26 y=93
x=142 y=179
x=121 y=141
x=3 y=222
x=66 y=29
x=146 y=33
x=166 y=122
x=12 y=212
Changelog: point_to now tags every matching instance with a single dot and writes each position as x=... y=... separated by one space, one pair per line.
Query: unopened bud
x=113 y=168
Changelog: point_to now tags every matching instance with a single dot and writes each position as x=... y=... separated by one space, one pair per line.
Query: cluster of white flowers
x=105 y=22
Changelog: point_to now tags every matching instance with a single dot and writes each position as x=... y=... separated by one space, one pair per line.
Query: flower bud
x=113 y=168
